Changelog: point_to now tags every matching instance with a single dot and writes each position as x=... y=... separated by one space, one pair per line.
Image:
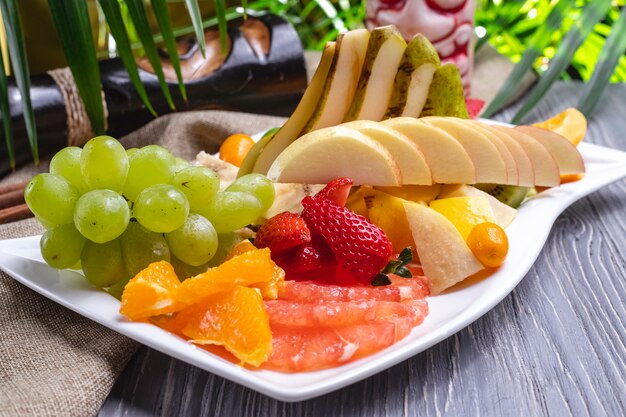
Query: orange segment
x=571 y=124
x=270 y=289
x=235 y=319
x=250 y=268
x=240 y=248
x=151 y=292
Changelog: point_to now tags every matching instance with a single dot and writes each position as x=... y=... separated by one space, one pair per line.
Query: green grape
x=101 y=215
x=161 y=208
x=46 y=225
x=141 y=247
x=66 y=163
x=150 y=165
x=258 y=185
x=226 y=242
x=51 y=198
x=61 y=246
x=184 y=271
x=200 y=184
x=195 y=242
x=102 y=263
x=130 y=152
x=117 y=289
x=232 y=210
x=180 y=164
x=104 y=164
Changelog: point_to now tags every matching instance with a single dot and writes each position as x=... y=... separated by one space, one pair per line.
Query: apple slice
x=544 y=166
x=448 y=161
x=406 y=153
x=445 y=257
x=487 y=161
x=503 y=214
x=342 y=81
x=525 y=171
x=384 y=51
x=325 y=154
x=413 y=78
x=562 y=150
x=445 y=96
x=512 y=172
x=260 y=157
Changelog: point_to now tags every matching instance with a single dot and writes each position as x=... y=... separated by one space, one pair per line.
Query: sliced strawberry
x=312 y=260
x=281 y=232
x=361 y=248
x=337 y=190
x=474 y=106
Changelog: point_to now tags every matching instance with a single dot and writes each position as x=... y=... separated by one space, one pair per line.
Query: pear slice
x=448 y=161
x=509 y=161
x=445 y=96
x=525 y=171
x=413 y=78
x=445 y=257
x=263 y=153
x=562 y=150
x=503 y=214
x=544 y=166
x=342 y=81
x=325 y=154
x=406 y=153
x=376 y=83
x=487 y=161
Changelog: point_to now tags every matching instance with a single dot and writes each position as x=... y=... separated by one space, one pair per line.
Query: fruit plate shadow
x=449 y=312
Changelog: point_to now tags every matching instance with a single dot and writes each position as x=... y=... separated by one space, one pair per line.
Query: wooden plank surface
x=555 y=346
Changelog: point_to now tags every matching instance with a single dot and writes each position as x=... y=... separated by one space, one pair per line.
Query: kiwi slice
x=511 y=195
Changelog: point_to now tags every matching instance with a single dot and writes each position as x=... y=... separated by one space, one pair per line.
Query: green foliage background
x=507 y=24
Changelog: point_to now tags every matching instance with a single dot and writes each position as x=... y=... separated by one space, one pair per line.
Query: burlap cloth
x=54 y=362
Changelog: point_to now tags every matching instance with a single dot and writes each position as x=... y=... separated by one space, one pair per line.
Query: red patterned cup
x=448 y=24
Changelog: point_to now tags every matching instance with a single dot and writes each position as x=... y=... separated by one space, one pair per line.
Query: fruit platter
x=356 y=235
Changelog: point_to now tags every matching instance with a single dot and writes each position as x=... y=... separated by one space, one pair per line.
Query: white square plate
x=449 y=312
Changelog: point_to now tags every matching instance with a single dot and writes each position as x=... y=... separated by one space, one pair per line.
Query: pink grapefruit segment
x=316 y=326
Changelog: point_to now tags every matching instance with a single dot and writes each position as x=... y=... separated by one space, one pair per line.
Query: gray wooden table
x=555 y=346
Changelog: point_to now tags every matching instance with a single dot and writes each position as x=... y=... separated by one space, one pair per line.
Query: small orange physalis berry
x=235 y=148
x=489 y=244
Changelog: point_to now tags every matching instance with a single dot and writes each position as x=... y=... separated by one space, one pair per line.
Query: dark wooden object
x=555 y=346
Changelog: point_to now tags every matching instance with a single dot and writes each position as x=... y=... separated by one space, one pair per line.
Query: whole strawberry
x=281 y=232
x=361 y=249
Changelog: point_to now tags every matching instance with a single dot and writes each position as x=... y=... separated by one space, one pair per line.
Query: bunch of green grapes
x=112 y=211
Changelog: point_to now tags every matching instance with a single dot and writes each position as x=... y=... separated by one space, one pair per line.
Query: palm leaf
x=196 y=21
x=71 y=19
x=17 y=52
x=6 y=113
x=591 y=15
x=138 y=15
x=220 y=13
x=536 y=45
x=113 y=14
x=165 y=24
x=613 y=50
